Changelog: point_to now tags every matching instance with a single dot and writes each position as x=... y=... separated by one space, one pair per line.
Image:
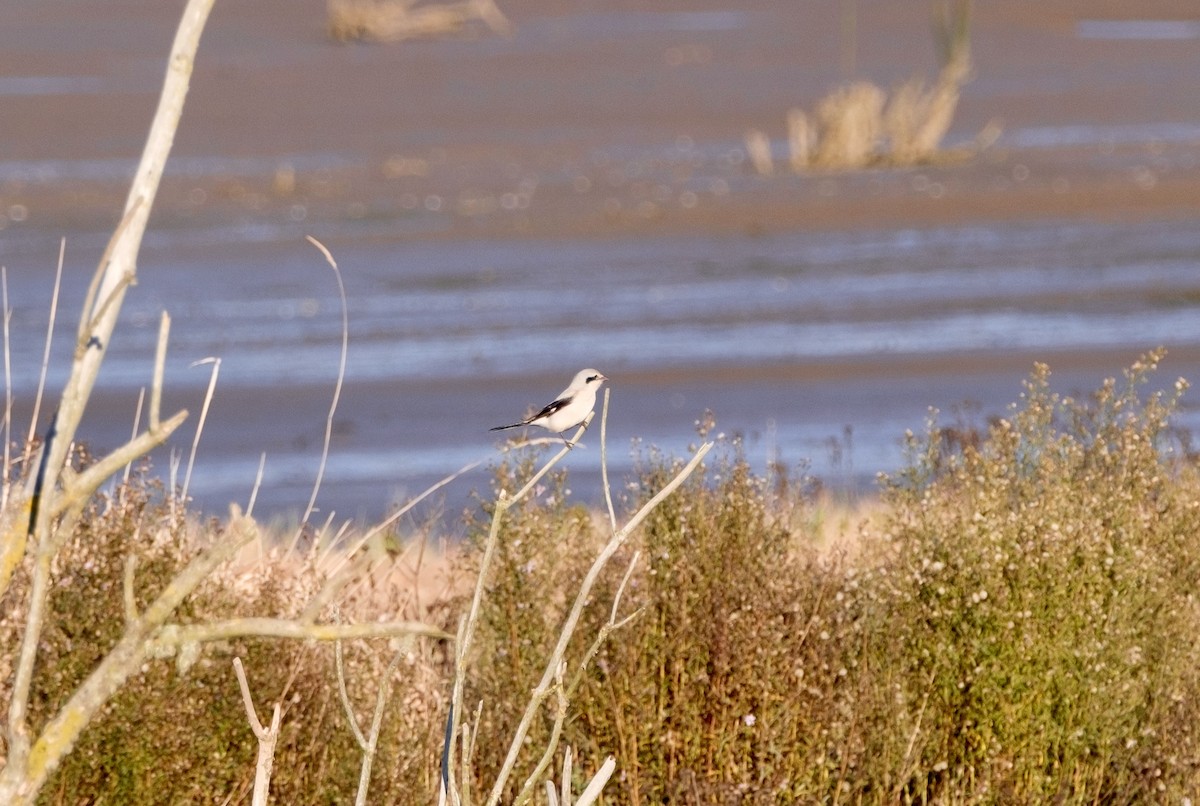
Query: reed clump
x=398 y=20
x=861 y=125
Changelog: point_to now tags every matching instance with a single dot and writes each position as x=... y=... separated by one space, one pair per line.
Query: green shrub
x=1040 y=605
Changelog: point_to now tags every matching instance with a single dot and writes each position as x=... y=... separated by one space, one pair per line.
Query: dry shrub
x=917 y=119
x=675 y=694
x=397 y=20
x=177 y=733
x=859 y=125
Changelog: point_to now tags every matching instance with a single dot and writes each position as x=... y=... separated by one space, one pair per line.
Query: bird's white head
x=586 y=378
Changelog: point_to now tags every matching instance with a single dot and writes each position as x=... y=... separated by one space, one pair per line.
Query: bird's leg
x=585 y=425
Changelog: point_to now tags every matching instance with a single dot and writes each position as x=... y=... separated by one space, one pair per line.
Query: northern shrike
x=570 y=408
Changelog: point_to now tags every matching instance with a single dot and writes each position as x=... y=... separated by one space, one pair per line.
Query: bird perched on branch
x=570 y=408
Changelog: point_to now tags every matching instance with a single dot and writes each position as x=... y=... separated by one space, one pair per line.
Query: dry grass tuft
x=176 y=732
x=860 y=125
x=397 y=20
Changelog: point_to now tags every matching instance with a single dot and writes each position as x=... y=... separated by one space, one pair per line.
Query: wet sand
x=596 y=122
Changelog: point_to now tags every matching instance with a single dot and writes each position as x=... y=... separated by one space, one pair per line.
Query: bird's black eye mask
x=592 y=378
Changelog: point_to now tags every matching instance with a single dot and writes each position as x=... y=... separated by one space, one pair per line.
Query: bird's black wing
x=545 y=412
x=550 y=408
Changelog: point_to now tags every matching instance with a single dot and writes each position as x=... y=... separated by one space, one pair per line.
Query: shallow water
x=490 y=309
x=449 y=338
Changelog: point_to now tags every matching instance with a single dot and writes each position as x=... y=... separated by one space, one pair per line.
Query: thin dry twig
x=258 y=477
x=172 y=636
x=208 y=396
x=591 y=792
x=341 y=375
x=353 y=550
x=503 y=503
x=566 y=777
x=560 y=718
x=54 y=296
x=137 y=424
x=565 y=693
x=369 y=742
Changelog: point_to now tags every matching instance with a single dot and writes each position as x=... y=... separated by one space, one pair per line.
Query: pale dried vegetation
x=398 y=20
x=861 y=125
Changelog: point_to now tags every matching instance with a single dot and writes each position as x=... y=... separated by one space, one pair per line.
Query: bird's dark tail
x=503 y=427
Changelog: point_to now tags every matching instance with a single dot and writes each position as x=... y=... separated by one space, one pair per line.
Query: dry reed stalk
x=7 y=430
x=612 y=515
x=137 y=424
x=37 y=400
x=341 y=376
x=758 y=148
x=208 y=396
x=160 y=363
x=799 y=140
x=258 y=477
x=916 y=120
